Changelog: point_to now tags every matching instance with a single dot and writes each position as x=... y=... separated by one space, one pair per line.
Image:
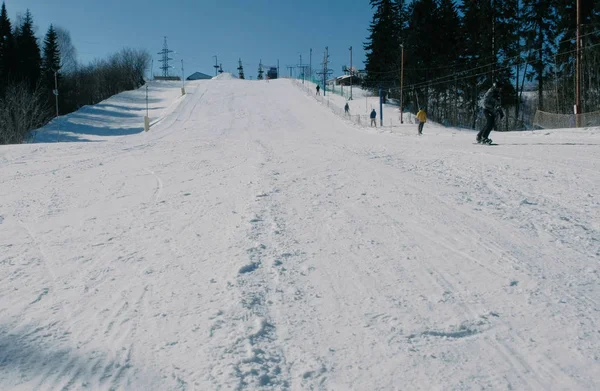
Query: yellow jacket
x=421 y=116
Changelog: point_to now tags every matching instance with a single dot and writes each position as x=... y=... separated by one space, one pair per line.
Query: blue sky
x=197 y=30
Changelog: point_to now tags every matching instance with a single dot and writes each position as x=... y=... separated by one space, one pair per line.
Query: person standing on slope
x=422 y=117
x=318 y=89
x=373 y=118
x=346 y=109
x=491 y=107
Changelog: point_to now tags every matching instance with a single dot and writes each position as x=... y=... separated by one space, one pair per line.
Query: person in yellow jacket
x=422 y=117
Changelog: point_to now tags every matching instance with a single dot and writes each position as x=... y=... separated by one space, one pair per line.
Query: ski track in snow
x=253 y=240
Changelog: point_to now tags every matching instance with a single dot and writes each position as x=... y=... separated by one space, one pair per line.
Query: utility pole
x=578 y=66
x=182 y=79
x=165 y=58
x=278 y=74
x=556 y=82
x=216 y=66
x=290 y=67
x=56 y=91
x=302 y=67
x=401 y=84
x=325 y=69
x=350 y=73
x=146 y=118
x=310 y=65
x=381 y=107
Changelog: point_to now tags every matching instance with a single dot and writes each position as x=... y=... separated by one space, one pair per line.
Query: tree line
x=454 y=50
x=32 y=72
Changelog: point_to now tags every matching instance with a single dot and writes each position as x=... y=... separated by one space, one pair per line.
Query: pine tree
x=508 y=47
x=425 y=39
x=478 y=57
x=51 y=58
x=383 y=49
x=446 y=35
x=542 y=25
x=51 y=63
x=7 y=49
x=590 y=50
x=28 y=52
x=446 y=43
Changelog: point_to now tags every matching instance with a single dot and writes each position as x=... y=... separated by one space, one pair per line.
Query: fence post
x=381 y=106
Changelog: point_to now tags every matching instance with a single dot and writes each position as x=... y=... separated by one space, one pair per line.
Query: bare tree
x=68 y=53
x=21 y=111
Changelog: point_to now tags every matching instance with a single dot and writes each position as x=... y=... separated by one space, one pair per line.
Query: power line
x=453 y=77
x=458 y=64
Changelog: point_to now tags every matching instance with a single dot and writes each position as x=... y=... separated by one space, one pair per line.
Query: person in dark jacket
x=373 y=118
x=491 y=108
x=318 y=90
x=347 y=109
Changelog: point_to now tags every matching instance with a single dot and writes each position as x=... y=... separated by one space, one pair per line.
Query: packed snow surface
x=225 y=76
x=254 y=240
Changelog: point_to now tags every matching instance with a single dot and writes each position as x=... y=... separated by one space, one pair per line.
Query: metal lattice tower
x=260 y=71
x=165 y=58
x=241 y=70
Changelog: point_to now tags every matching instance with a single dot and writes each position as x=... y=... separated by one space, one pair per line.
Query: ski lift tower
x=326 y=72
x=260 y=71
x=302 y=69
x=241 y=70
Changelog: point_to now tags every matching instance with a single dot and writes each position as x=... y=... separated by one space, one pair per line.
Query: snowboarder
x=373 y=118
x=491 y=108
x=422 y=117
x=346 y=109
x=318 y=89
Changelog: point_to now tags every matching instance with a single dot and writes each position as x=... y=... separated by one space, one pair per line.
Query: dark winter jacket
x=373 y=114
x=491 y=99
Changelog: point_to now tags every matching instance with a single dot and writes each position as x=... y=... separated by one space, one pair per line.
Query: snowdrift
x=225 y=76
x=119 y=115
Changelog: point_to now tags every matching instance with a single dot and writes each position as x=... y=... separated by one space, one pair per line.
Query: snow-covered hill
x=119 y=115
x=253 y=240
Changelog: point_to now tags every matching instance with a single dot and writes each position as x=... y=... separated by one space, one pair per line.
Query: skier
x=491 y=107
x=373 y=118
x=422 y=117
x=346 y=109
x=318 y=89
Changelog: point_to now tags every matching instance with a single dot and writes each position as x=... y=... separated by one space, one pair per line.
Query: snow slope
x=362 y=103
x=119 y=115
x=253 y=240
x=224 y=76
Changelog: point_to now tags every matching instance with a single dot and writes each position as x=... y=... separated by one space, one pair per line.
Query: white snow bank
x=225 y=76
x=119 y=115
